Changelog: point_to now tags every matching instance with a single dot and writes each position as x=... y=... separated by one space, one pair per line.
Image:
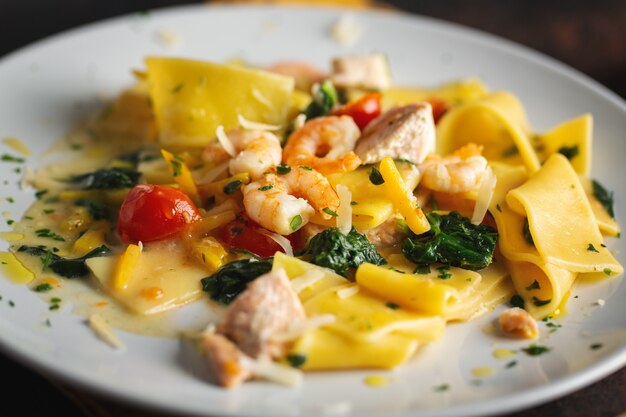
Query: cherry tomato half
x=363 y=110
x=243 y=233
x=440 y=107
x=153 y=212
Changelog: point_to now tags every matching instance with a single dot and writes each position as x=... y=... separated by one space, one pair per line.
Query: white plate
x=46 y=87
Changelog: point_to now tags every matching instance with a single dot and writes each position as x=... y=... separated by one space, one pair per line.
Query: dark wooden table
x=588 y=35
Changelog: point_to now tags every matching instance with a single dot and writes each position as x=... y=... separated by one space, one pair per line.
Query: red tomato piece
x=153 y=212
x=362 y=110
x=243 y=233
x=440 y=107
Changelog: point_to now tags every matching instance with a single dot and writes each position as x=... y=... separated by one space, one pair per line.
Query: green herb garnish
x=329 y=212
x=444 y=272
x=517 y=301
x=283 y=169
x=392 y=306
x=526 y=232
x=10 y=158
x=592 y=248
x=43 y=287
x=295 y=222
x=296 y=360
x=232 y=187
x=605 y=197
x=534 y=286
x=324 y=99
x=266 y=187
x=569 y=151
x=536 y=350
x=538 y=303
x=47 y=233
x=106 y=179
x=376 y=177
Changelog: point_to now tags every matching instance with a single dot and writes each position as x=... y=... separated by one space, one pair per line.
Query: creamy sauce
x=78 y=152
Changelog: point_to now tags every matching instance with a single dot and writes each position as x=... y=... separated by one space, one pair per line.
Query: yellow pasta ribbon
x=182 y=175
x=403 y=199
x=125 y=267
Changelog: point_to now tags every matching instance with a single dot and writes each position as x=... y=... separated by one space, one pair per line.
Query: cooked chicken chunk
x=386 y=234
x=406 y=132
x=226 y=360
x=517 y=322
x=267 y=307
x=370 y=72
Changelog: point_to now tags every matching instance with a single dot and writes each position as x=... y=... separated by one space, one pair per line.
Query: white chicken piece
x=370 y=72
x=406 y=132
x=268 y=307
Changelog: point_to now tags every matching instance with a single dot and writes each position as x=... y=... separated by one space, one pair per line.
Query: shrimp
x=517 y=322
x=257 y=152
x=457 y=173
x=276 y=201
x=325 y=144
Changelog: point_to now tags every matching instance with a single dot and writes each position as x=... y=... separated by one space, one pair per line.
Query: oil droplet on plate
x=376 y=380
x=503 y=353
x=483 y=372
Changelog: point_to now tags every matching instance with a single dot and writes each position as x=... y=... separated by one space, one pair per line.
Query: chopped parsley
x=526 y=232
x=511 y=151
x=441 y=388
x=40 y=194
x=43 y=287
x=10 y=158
x=517 y=301
x=10 y=199
x=11 y=303
x=510 y=364
x=444 y=272
x=534 y=286
x=538 y=303
x=232 y=187
x=553 y=326
x=296 y=360
x=283 y=169
x=177 y=166
x=605 y=197
x=569 y=152
x=329 y=212
x=392 y=306
x=607 y=271
x=353 y=203
x=10 y=222
x=47 y=233
x=266 y=187
x=596 y=346
x=498 y=207
x=376 y=177
x=305 y=167
x=178 y=87
x=536 y=350
x=592 y=248
x=295 y=222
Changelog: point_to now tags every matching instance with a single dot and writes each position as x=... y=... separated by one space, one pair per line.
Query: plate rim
x=509 y=403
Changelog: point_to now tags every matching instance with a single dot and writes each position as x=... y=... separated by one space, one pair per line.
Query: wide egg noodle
x=498 y=122
x=372 y=206
x=561 y=220
x=575 y=135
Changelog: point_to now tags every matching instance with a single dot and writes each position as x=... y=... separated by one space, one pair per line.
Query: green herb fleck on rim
x=592 y=248
x=177 y=88
x=422 y=269
x=43 y=287
x=536 y=350
x=510 y=364
x=266 y=187
x=441 y=388
x=596 y=346
x=10 y=158
x=444 y=272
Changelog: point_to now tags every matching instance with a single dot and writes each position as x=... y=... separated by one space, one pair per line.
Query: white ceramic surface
x=48 y=86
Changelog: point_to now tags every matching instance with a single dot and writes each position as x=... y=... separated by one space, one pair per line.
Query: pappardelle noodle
x=338 y=221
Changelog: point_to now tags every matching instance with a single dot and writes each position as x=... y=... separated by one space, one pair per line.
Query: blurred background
x=587 y=35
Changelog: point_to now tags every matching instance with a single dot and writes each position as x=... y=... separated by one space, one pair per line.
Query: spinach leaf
x=68 y=268
x=332 y=249
x=452 y=240
x=106 y=179
x=231 y=279
x=323 y=101
x=97 y=209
